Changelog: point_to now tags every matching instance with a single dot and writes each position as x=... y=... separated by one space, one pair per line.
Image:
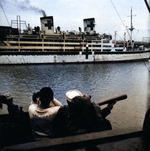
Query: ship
x=50 y=45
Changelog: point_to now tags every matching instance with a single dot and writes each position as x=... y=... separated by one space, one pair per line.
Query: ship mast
x=131 y=28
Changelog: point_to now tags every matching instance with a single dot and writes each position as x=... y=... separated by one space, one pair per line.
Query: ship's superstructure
x=89 y=26
x=47 y=25
x=46 y=45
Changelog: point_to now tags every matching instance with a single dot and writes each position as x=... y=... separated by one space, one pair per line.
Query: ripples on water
x=98 y=80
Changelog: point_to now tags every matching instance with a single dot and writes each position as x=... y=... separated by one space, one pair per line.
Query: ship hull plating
x=78 y=58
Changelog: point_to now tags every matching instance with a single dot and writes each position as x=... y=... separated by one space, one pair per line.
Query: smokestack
x=89 y=25
x=43 y=13
x=47 y=25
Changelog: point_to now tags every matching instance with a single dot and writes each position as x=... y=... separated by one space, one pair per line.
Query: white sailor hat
x=72 y=93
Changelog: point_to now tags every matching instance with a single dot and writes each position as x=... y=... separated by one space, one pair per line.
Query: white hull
x=41 y=59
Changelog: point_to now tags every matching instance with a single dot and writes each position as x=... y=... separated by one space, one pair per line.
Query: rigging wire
x=147 y=66
x=148 y=5
x=127 y=31
x=120 y=18
x=5 y=14
x=119 y=36
x=140 y=30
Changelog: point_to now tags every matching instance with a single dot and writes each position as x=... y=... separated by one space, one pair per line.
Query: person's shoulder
x=32 y=106
x=53 y=109
x=64 y=110
x=32 y=109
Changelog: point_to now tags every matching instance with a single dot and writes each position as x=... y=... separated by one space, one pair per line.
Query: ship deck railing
x=78 y=141
x=80 y=45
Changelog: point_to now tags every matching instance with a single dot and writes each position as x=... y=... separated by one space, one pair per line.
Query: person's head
x=71 y=94
x=75 y=96
x=79 y=104
x=46 y=96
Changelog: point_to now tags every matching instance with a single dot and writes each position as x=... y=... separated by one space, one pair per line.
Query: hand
x=86 y=95
x=6 y=99
x=8 y=96
x=35 y=97
x=110 y=105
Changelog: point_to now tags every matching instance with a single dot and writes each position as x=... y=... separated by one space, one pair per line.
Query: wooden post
x=19 y=43
x=42 y=43
x=64 y=41
x=86 y=53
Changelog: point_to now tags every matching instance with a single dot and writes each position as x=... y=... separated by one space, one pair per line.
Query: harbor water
x=101 y=81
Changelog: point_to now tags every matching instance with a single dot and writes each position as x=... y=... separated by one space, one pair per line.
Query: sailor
x=12 y=108
x=42 y=111
x=80 y=116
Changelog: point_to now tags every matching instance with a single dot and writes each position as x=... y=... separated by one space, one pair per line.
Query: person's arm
x=7 y=99
x=55 y=102
x=106 y=111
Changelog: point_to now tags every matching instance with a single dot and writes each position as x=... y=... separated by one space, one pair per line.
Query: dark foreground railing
x=89 y=140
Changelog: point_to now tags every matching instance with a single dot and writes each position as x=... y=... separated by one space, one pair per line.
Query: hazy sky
x=110 y=15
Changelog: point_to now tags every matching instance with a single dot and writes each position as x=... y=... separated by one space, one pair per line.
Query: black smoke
x=43 y=13
x=26 y=6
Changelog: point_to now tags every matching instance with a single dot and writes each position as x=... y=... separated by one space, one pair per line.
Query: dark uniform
x=80 y=116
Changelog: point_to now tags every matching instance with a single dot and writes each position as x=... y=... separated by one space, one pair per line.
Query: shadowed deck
x=77 y=141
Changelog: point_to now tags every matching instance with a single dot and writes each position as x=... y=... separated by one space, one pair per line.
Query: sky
x=110 y=15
